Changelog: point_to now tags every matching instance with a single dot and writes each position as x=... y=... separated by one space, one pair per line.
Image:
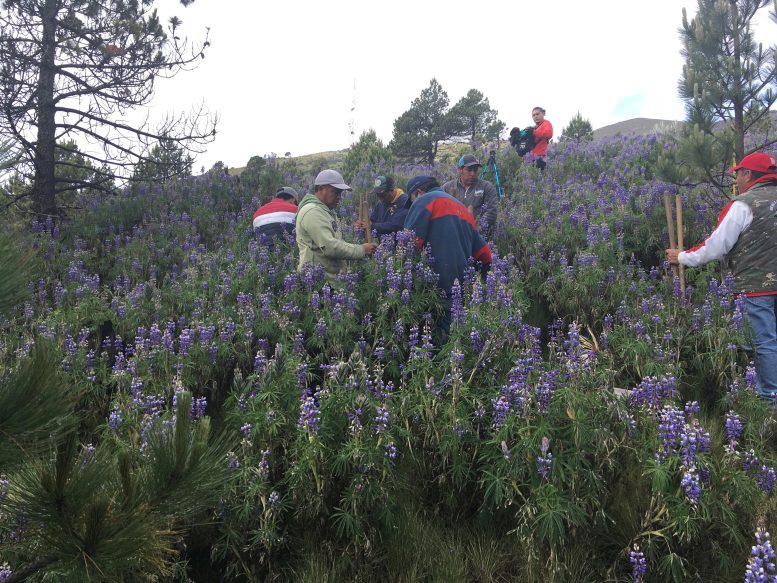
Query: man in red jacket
x=543 y=132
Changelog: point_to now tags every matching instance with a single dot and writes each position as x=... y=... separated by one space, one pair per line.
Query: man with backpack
x=533 y=140
x=543 y=132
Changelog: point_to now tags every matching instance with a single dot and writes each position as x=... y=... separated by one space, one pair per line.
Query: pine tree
x=473 y=119
x=71 y=69
x=166 y=160
x=578 y=130
x=728 y=84
x=419 y=131
x=369 y=149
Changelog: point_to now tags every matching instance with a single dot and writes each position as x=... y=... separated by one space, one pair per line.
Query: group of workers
x=456 y=219
x=442 y=221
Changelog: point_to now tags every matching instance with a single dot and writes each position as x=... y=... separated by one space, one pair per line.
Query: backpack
x=522 y=140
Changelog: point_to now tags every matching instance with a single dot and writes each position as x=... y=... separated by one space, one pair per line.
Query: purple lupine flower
x=669 y=428
x=114 y=420
x=233 y=463
x=260 y=362
x=458 y=313
x=199 y=407
x=505 y=451
x=4 y=483
x=501 y=410
x=733 y=429
x=638 y=564
x=5 y=572
x=545 y=459
x=310 y=416
x=690 y=483
x=321 y=328
x=381 y=420
x=412 y=340
x=246 y=430
x=390 y=452
x=264 y=465
x=87 y=454
x=750 y=376
x=274 y=500
x=766 y=478
x=299 y=342
x=477 y=341
x=184 y=341
x=761 y=566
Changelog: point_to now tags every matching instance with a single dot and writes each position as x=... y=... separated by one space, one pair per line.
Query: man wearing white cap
x=319 y=237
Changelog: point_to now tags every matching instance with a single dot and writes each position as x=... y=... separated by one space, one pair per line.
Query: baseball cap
x=382 y=184
x=757 y=162
x=331 y=178
x=287 y=190
x=468 y=160
x=420 y=181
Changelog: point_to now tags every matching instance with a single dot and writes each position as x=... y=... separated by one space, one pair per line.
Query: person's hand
x=369 y=248
x=360 y=225
x=671 y=256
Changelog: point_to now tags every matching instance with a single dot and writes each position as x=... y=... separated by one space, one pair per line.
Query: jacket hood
x=311 y=199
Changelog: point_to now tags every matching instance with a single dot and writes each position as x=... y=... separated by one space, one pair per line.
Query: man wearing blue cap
x=319 y=237
x=479 y=196
x=448 y=227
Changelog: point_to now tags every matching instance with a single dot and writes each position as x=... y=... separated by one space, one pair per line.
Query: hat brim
x=471 y=164
x=341 y=186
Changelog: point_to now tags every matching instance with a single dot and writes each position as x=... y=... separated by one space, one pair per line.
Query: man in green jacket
x=319 y=237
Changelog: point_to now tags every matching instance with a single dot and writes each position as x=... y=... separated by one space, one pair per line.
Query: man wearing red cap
x=745 y=239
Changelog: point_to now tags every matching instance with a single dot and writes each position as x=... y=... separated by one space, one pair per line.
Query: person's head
x=384 y=189
x=751 y=168
x=288 y=194
x=329 y=185
x=419 y=185
x=538 y=115
x=469 y=170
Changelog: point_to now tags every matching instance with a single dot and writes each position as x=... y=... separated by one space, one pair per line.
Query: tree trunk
x=738 y=101
x=44 y=196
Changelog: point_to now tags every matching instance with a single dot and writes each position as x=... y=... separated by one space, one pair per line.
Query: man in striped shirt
x=745 y=239
x=276 y=218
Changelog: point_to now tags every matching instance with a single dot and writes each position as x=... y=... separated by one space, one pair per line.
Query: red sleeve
x=419 y=243
x=483 y=254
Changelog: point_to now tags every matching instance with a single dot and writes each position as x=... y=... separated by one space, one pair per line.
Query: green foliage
x=119 y=50
x=419 y=131
x=166 y=160
x=367 y=151
x=472 y=118
x=578 y=129
x=728 y=84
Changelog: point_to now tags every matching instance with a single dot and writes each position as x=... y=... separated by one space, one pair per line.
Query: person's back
x=449 y=228
x=276 y=219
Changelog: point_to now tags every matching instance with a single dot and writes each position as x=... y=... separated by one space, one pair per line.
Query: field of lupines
x=222 y=417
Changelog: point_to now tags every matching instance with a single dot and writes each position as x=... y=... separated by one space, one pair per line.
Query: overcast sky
x=281 y=74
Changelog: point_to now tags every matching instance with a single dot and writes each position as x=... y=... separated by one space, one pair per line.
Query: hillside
x=637 y=125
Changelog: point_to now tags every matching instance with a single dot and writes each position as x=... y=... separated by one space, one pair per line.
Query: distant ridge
x=637 y=125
